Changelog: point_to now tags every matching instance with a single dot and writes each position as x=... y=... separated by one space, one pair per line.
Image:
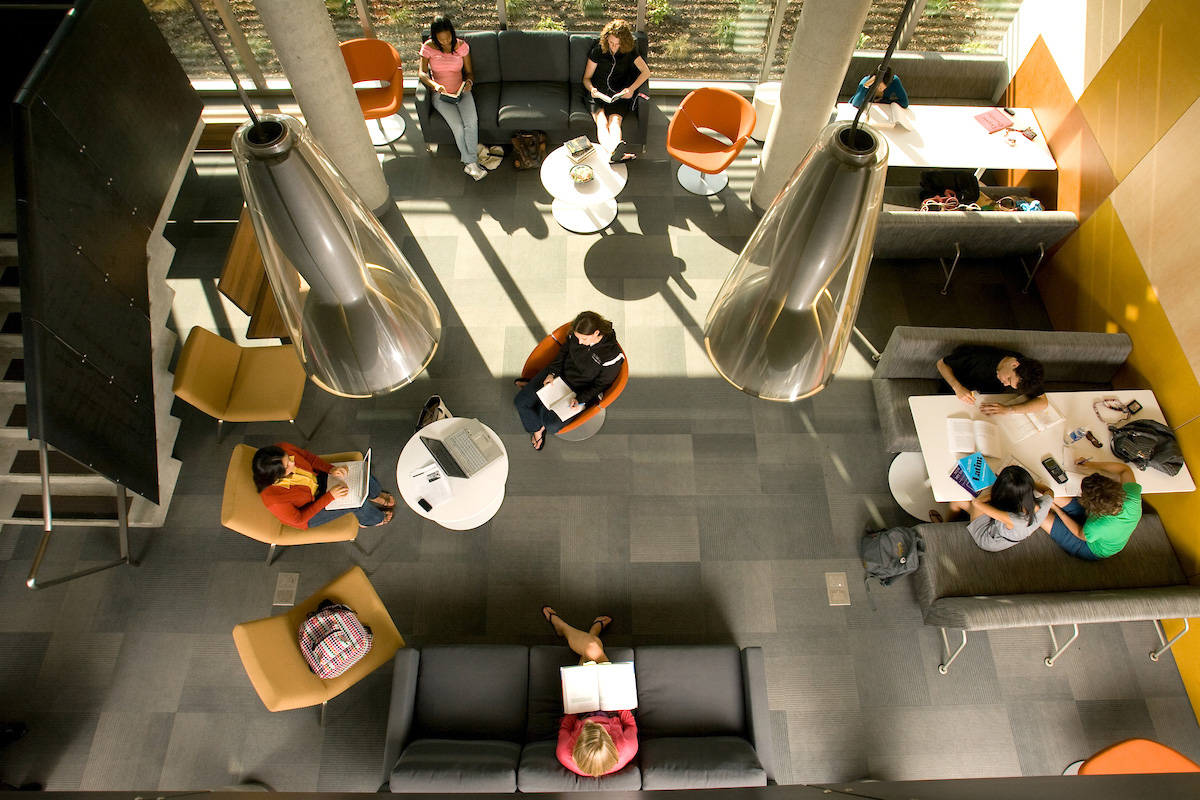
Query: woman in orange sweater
x=601 y=742
x=292 y=483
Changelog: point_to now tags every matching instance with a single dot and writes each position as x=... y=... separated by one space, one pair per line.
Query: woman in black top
x=614 y=73
x=589 y=361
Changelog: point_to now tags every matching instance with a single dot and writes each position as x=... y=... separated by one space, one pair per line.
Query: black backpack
x=1146 y=443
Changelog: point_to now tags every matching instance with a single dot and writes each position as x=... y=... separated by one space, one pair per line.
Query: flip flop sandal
x=385 y=500
x=548 y=617
x=387 y=517
x=520 y=383
x=538 y=442
x=603 y=625
x=618 y=154
x=628 y=157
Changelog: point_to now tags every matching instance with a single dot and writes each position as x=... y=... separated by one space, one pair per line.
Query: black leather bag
x=962 y=182
x=529 y=149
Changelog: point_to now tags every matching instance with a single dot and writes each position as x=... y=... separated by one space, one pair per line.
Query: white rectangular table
x=951 y=137
x=930 y=413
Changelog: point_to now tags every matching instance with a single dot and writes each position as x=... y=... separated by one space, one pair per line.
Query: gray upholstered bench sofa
x=485 y=718
x=904 y=231
x=530 y=80
x=1035 y=583
x=973 y=79
x=908 y=366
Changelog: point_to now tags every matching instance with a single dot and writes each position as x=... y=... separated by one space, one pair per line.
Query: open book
x=598 y=687
x=1021 y=426
x=557 y=397
x=969 y=435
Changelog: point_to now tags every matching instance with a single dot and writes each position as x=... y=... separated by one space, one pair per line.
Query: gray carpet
x=697 y=515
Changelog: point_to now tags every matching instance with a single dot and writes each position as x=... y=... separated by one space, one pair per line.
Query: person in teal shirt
x=890 y=90
x=1099 y=522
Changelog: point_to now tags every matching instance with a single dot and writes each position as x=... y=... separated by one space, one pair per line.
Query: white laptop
x=463 y=449
x=358 y=475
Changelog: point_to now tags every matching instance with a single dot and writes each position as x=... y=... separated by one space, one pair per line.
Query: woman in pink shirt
x=600 y=742
x=446 y=69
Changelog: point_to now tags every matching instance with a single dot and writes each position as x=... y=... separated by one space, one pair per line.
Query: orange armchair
x=589 y=421
x=376 y=60
x=1133 y=756
x=703 y=157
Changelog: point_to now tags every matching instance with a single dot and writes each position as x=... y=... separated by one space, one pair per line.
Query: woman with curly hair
x=600 y=742
x=614 y=73
x=1099 y=522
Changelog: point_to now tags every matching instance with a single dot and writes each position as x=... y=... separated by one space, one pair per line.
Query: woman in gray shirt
x=1007 y=512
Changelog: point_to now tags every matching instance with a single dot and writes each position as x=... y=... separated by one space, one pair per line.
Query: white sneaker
x=475 y=171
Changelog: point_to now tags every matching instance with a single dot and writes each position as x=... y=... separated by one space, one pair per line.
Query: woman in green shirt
x=1099 y=522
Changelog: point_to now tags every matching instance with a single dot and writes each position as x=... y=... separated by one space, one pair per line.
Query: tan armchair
x=242 y=509
x=239 y=384
x=270 y=648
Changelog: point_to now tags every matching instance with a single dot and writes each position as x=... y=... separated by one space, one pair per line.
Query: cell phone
x=1054 y=469
x=423 y=503
x=1133 y=407
x=1009 y=111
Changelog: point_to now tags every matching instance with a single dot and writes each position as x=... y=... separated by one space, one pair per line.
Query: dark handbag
x=961 y=182
x=529 y=149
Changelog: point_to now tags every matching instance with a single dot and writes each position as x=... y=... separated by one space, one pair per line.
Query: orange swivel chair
x=690 y=141
x=1131 y=757
x=376 y=60
x=588 y=422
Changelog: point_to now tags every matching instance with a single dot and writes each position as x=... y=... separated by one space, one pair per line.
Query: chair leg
x=359 y=547
x=699 y=183
x=585 y=431
x=1162 y=637
x=382 y=133
x=1059 y=650
x=949 y=273
x=944 y=667
x=270 y=555
x=299 y=430
x=323 y=705
x=220 y=430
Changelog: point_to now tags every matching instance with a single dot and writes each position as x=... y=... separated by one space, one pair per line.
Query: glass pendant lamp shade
x=359 y=317
x=781 y=322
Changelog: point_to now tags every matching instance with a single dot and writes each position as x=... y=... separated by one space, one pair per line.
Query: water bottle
x=1074 y=436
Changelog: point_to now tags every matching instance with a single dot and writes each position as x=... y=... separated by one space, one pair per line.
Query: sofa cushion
x=690 y=691
x=534 y=105
x=896 y=421
x=581 y=44
x=441 y=765
x=485 y=56
x=545 y=686
x=580 y=112
x=540 y=771
x=472 y=692
x=699 y=762
x=533 y=56
x=487 y=104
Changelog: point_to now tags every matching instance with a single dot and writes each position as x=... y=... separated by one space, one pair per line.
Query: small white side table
x=766 y=99
x=583 y=207
x=476 y=500
x=909 y=482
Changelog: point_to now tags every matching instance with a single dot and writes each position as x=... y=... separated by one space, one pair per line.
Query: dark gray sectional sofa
x=530 y=80
x=908 y=366
x=485 y=718
x=961 y=587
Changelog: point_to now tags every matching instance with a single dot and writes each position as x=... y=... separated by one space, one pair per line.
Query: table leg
x=585 y=219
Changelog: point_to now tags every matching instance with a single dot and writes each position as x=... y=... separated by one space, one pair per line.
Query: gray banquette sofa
x=530 y=80
x=908 y=366
x=485 y=718
x=904 y=231
x=961 y=587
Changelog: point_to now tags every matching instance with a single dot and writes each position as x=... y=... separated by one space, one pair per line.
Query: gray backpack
x=1146 y=443
x=891 y=554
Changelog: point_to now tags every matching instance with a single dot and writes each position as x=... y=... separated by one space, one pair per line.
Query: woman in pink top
x=601 y=742
x=446 y=69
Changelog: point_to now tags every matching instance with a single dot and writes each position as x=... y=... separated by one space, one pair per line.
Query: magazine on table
x=557 y=397
x=432 y=484
x=1021 y=426
x=969 y=435
x=598 y=687
x=994 y=120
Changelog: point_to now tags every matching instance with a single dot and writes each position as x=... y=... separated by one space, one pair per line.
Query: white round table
x=909 y=481
x=476 y=499
x=583 y=207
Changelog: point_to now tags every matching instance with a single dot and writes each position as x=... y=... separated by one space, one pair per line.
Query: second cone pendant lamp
x=359 y=317
x=781 y=323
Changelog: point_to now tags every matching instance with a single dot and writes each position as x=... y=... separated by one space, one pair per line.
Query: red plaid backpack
x=333 y=639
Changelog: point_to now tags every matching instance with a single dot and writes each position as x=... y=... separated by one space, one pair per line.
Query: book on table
x=557 y=397
x=578 y=148
x=969 y=435
x=994 y=120
x=973 y=473
x=599 y=687
x=1020 y=427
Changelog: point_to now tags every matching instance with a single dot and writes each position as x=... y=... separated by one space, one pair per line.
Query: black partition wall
x=100 y=126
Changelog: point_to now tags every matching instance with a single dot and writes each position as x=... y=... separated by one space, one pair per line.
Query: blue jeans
x=1069 y=541
x=464 y=122
x=535 y=415
x=368 y=513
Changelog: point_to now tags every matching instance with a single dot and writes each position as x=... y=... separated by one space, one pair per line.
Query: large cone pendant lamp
x=780 y=325
x=356 y=312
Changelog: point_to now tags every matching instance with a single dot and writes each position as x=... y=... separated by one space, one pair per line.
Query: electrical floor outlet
x=835 y=585
x=286 y=585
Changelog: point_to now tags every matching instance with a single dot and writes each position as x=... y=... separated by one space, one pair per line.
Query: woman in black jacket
x=589 y=361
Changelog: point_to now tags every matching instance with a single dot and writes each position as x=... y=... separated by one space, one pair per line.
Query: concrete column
x=307 y=46
x=826 y=34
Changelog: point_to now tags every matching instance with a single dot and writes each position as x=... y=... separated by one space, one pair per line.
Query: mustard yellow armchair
x=243 y=510
x=239 y=384
x=270 y=647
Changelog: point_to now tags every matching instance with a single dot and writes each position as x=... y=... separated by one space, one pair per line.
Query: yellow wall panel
x=1146 y=84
